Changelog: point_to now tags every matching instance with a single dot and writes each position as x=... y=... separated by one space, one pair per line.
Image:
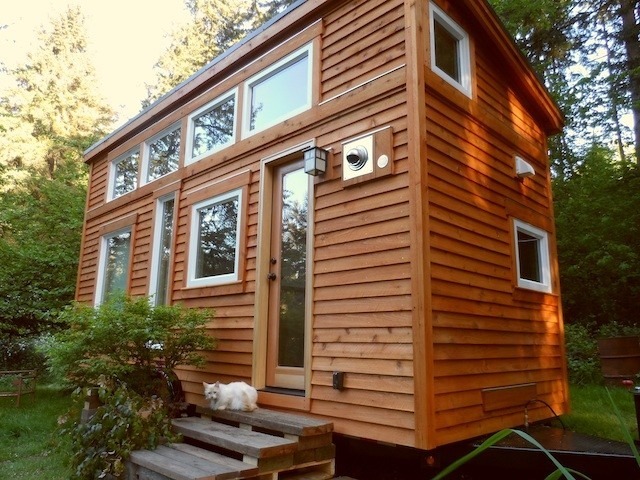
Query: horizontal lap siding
x=232 y=324
x=484 y=334
x=362 y=287
x=362 y=40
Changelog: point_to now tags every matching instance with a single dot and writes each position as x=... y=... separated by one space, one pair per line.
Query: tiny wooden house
x=409 y=292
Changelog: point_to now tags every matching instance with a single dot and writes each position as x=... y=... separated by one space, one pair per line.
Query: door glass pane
x=293 y=262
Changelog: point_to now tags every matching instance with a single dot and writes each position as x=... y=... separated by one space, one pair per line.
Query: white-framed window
x=124 y=174
x=212 y=127
x=278 y=92
x=532 y=257
x=113 y=267
x=159 y=288
x=214 y=246
x=161 y=154
x=450 y=52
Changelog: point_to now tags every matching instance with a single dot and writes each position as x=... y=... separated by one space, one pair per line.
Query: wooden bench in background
x=16 y=383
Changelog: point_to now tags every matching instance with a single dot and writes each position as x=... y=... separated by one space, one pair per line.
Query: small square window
x=532 y=257
x=212 y=127
x=214 y=242
x=124 y=174
x=279 y=92
x=450 y=57
x=162 y=155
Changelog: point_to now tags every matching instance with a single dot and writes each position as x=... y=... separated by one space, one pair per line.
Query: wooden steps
x=226 y=445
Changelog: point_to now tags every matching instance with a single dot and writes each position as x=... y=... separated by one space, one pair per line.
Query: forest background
x=587 y=52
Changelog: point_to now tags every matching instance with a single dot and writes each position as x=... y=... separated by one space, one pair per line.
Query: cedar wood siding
x=485 y=332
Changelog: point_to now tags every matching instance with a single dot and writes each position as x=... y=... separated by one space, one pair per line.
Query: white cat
x=232 y=396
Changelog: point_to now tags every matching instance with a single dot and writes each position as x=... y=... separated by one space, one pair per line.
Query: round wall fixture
x=383 y=161
x=357 y=157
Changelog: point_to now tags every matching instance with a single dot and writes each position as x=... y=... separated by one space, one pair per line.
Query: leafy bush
x=582 y=355
x=125 y=422
x=616 y=329
x=129 y=349
x=129 y=340
x=21 y=353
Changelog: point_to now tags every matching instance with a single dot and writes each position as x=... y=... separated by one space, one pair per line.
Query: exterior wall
x=487 y=332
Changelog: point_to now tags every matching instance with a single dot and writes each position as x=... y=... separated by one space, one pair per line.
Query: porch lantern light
x=315 y=160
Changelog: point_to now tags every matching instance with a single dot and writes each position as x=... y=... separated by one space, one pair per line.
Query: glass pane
x=446 y=47
x=164 y=155
x=213 y=128
x=217 y=240
x=117 y=264
x=280 y=93
x=529 y=257
x=126 y=177
x=293 y=267
x=166 y=234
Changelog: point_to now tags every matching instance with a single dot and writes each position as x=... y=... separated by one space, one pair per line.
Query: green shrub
x=616 y=329
x=583 y=362
x=129 y=349
x=128 y=340
x=123 y=423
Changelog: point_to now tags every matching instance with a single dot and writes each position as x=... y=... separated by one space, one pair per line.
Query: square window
x=214 y=241
x=212 y=127
x=162 y=154
x=114 y=264
x=450 y=57
x=124 y=174
x=279 y=92
x=532 y=257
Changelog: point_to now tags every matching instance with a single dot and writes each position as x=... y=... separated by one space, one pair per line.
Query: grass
x=29 y=448
x=592 y=414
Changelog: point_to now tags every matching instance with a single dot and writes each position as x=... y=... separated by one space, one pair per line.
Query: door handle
x=271 y=276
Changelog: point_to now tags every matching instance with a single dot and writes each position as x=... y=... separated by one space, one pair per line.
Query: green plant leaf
x=625 y=430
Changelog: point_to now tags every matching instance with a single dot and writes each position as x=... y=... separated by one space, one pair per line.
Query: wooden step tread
x=292 y=424
x=247 y=442
x=176 y=464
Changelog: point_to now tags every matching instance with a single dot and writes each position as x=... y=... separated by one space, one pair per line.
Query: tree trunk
x=629 y=9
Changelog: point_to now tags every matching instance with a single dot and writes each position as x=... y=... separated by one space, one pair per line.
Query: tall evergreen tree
x=52 y=111
x=214 y=27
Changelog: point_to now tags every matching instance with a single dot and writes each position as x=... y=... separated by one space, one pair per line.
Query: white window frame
x=147 y=151
x=157 y=244
x=102 y=263
x=192 y=281
x=282 y=64
x=543 y=254
x=233 y=93
x=112 y=172
x=436 y=14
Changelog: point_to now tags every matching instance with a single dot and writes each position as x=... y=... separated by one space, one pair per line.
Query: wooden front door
x=287 y=305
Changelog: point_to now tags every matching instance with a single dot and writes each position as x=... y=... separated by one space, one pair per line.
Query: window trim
x=102 y=261
x=146 y=151
x=155 y=248
x=464 y=49
x=278 y=66
x=219 y=100
x=113 y=168
x=192 y=281
x=543 y=254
